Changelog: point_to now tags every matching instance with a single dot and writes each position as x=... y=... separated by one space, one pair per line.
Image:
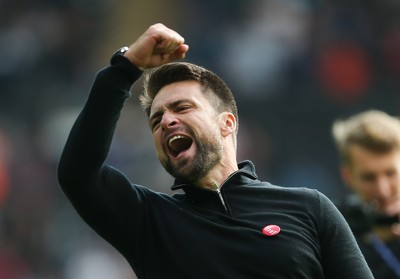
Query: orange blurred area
x=345 y=72
x=4 y=184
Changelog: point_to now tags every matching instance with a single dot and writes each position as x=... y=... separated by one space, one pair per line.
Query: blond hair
x=373 y=130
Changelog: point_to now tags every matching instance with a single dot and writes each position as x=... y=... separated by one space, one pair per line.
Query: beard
x=208 y=155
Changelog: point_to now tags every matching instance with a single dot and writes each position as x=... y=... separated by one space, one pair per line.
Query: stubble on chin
x=192 y=169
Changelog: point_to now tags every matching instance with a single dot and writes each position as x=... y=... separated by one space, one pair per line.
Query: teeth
x=175 y=138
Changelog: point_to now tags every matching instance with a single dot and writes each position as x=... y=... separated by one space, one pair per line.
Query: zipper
x=221 y=198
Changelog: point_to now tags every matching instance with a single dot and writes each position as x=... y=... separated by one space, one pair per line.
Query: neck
x=218 y=175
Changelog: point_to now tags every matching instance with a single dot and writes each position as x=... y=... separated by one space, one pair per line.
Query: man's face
x=375 y=177
x=185 y=130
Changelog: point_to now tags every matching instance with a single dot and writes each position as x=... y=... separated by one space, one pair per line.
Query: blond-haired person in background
x=369 y=149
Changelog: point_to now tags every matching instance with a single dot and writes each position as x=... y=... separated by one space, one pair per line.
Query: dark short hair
x=211 y=84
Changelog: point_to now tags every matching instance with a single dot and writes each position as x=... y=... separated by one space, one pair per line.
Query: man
x=226 y=223
x=369 y=147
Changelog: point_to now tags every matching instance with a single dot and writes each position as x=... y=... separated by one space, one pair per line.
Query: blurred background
x=294 y=65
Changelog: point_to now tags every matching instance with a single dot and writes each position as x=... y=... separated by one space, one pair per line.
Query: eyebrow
x=160 y=112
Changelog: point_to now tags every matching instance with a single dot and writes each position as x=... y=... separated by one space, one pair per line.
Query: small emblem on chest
x=271 y=230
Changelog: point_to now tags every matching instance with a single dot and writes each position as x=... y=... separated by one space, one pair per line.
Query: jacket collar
x=246 y=171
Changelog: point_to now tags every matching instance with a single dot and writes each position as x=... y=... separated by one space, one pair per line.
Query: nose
x=168 y=120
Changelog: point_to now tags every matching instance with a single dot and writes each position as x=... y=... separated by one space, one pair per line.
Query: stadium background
x=294 y=65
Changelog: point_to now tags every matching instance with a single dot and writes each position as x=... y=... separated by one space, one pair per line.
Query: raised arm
x=96 y=190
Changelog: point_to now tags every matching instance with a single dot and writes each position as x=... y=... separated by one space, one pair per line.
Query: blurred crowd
x=294 y=65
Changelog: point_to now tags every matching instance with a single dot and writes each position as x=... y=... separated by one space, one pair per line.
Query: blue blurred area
x=294 y=65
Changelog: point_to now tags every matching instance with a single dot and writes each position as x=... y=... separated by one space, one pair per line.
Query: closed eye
x=368 y=177
x=155 y=123
x=182 y=108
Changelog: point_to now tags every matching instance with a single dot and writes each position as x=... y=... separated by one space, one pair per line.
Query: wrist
x=118 y=56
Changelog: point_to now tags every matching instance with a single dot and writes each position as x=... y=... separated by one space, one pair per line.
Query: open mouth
x=177 y=144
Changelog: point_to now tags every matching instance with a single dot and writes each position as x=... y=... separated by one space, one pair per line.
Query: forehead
x=362 y=158
x=183 y=90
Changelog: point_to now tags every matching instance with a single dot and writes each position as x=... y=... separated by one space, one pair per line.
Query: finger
x=180 y=51
x=396 y=229
x=167 y=46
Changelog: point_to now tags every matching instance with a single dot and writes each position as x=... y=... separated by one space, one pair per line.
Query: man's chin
x=178 y=168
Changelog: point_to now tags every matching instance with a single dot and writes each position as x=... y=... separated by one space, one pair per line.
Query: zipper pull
x=218 y=190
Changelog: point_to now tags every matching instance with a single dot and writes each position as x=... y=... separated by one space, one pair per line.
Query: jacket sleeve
x=341 y=256
x=93 y=187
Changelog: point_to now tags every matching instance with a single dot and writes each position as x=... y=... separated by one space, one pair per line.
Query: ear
x=347 y=176
x=227 y=123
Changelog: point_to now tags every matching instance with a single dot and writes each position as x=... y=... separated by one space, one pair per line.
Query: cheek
x=369 y=193
x=364 y=188
x=157 y=144
x=395 y=185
